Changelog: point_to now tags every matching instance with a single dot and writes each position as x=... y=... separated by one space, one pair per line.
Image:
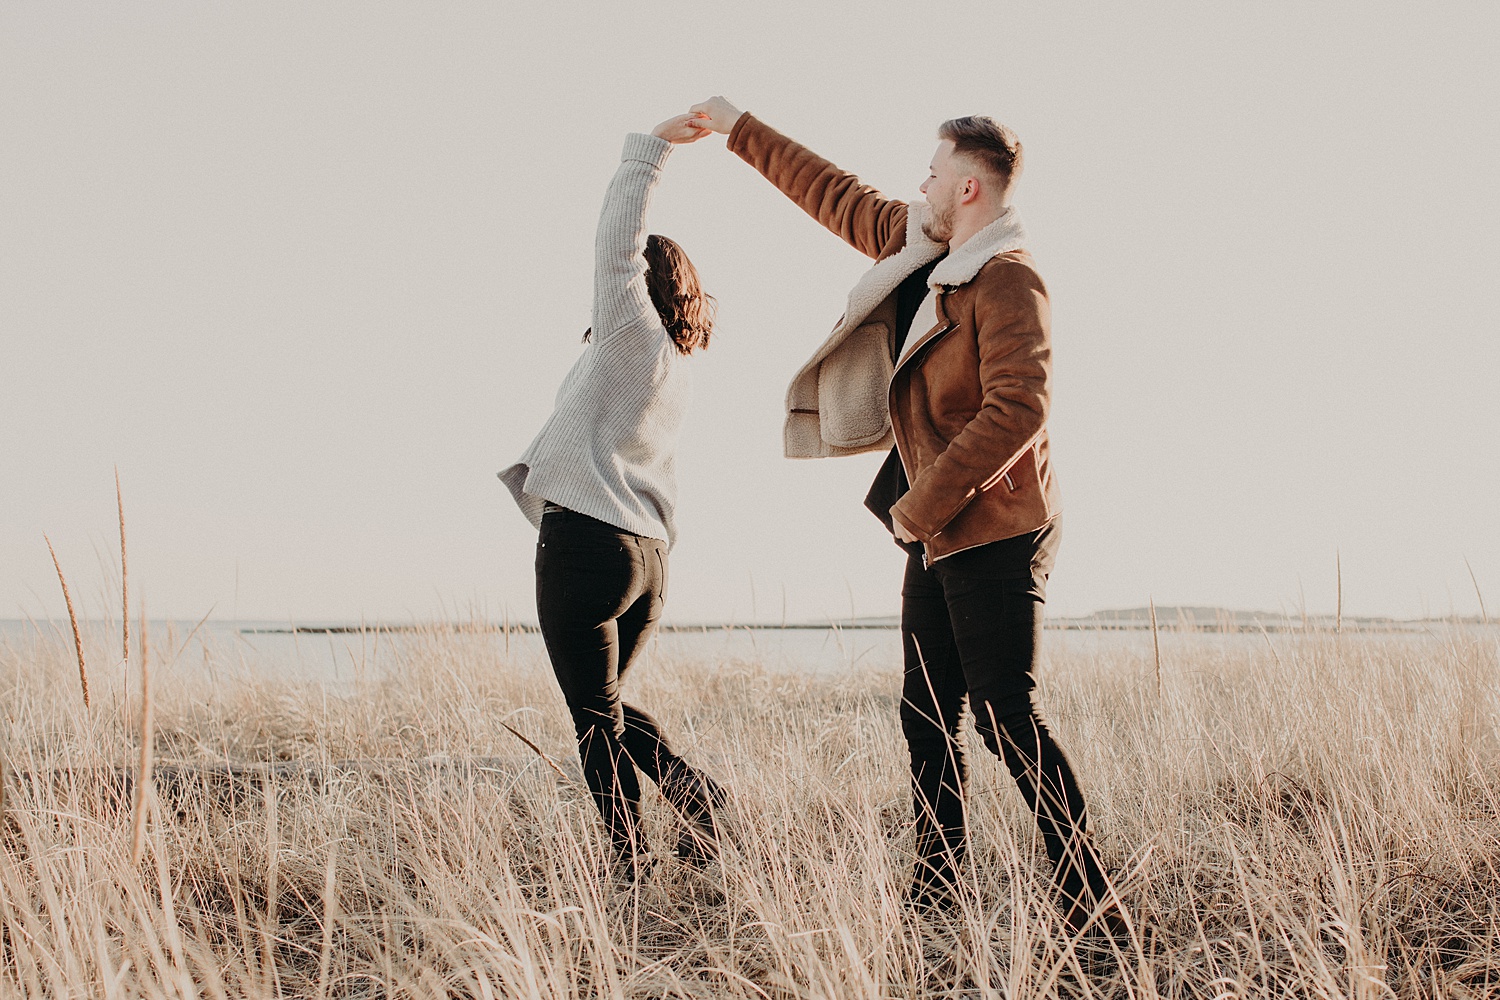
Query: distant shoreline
x=1278 y=625
x=1197 y=620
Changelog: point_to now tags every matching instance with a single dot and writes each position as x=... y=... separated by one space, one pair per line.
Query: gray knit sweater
x=608 y=449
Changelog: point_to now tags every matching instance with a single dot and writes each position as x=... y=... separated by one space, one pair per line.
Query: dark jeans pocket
x=587 y=582
x=1005 y=592
x=992 y=610
x=658 y=553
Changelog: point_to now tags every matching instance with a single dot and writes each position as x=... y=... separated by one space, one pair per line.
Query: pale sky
x=309 y=275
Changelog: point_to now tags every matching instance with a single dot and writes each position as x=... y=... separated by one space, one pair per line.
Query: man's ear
x=970 y=190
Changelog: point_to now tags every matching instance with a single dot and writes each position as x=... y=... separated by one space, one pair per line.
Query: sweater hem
x=518 y=477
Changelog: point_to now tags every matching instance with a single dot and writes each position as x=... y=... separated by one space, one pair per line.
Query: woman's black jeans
x=599 y=596
x=970 y=626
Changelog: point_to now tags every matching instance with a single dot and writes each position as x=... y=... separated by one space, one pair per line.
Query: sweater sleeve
x=854 y=211
x=620 y=296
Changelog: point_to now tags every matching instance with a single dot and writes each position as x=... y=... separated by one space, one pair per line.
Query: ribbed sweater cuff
x=647 y=149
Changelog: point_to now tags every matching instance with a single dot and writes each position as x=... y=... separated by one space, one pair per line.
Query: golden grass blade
x=1484 y=615
x=194 y=631
x=537 y=750
x=330 y=910
x=83 y=674
x=1156 y=645
x=124 y=574
x=273 y=848
x=143 y=783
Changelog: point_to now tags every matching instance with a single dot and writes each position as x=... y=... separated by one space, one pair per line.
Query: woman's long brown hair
x=672 y=281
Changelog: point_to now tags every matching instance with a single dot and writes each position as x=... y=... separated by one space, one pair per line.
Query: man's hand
x=679 y=129
x=902 y=535
x=716 y=115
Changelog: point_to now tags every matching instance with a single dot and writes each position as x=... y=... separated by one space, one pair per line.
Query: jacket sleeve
x=856 y=212
x=1012 y=321
x=620 y=295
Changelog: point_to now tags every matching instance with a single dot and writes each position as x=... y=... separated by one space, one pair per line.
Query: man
x=944 y=356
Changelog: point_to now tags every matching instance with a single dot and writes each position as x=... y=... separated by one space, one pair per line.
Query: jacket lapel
x=881 y=280
x=941 y=330
x=1005 y=234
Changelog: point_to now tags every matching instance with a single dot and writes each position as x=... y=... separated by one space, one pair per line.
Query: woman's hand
x=678 y=129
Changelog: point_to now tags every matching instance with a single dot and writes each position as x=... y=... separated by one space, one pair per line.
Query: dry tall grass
x=1306 y=816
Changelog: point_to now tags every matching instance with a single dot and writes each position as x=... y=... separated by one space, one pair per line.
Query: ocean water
x=275 y=651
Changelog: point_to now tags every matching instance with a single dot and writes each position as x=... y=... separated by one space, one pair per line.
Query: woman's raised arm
x=620 y=295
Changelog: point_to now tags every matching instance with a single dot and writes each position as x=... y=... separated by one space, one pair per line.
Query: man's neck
x=964 y=228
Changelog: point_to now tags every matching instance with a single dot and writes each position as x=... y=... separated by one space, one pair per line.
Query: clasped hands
x=713 y=115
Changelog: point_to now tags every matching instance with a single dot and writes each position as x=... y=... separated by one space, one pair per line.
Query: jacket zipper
x=890 y=389
x=924 y=348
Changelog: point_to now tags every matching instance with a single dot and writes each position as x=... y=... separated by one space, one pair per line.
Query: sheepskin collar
x=959 y=267
x=883 y=277
x=964 y=261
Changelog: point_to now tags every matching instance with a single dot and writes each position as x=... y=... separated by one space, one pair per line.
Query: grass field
x=1308 y=815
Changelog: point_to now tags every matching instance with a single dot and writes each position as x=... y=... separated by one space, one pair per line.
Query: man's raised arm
x=856 y=212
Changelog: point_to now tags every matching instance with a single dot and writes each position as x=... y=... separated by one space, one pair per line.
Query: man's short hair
x=989 y=145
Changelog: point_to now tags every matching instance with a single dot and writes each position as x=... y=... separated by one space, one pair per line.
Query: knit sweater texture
x=609 y=448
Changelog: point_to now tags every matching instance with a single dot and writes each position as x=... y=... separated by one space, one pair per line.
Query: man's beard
x=938 y=226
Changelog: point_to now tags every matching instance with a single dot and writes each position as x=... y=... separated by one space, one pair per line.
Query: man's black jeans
x=970 y=625
x=599 y=596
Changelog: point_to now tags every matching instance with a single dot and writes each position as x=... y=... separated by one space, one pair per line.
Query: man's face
x=941 y=189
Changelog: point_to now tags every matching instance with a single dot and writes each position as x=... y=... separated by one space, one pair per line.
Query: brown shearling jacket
x=968 y=401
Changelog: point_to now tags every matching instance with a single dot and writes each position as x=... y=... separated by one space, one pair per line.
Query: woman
x=599 y=483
